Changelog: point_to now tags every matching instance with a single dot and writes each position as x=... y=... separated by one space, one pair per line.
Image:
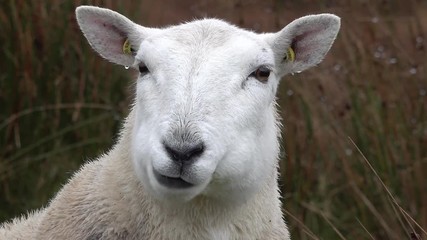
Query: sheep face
x=205 y=111
x=205 y=121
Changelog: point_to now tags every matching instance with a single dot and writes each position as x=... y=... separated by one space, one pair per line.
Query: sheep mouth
x=172 y=182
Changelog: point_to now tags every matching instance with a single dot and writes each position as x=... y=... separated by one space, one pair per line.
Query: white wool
x=198 y=154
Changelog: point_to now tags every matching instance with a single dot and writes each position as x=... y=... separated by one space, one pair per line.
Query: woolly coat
x=105 y=200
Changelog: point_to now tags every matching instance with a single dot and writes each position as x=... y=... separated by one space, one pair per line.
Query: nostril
x=196 y=150
x=184 y=153
x=174 y=154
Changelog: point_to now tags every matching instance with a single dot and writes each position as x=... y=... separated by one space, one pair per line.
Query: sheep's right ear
x=111 y=34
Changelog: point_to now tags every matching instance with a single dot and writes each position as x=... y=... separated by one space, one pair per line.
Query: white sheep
x=198 y=154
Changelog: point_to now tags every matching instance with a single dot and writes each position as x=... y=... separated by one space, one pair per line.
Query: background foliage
x=61 y=105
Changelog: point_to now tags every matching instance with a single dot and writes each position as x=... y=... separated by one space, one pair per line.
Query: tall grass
x=372 y=88
x=61 y=105
x=57 y=104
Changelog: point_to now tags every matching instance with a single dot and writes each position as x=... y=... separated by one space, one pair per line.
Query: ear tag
x=290 y=55
x=127 y=48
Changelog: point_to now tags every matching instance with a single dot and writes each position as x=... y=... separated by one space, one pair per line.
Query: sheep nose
x=185 y=153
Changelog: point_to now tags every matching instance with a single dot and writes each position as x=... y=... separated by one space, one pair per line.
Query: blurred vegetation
x=61 y=105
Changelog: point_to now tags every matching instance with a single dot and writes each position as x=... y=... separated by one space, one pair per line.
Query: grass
x=355 y=136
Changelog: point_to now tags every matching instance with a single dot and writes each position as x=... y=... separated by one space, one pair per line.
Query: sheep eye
x=143 y=69
x=261 y=74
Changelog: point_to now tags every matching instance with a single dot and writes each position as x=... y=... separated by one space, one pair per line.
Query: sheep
x=197 y=156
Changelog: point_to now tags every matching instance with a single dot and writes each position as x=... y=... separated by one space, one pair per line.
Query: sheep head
x=205 y=119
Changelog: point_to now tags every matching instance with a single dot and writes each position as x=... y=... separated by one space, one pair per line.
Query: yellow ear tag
x=127 y=49
x=290 y=55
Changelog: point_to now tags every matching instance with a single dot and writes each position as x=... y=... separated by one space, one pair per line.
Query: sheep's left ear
x=304 y=42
